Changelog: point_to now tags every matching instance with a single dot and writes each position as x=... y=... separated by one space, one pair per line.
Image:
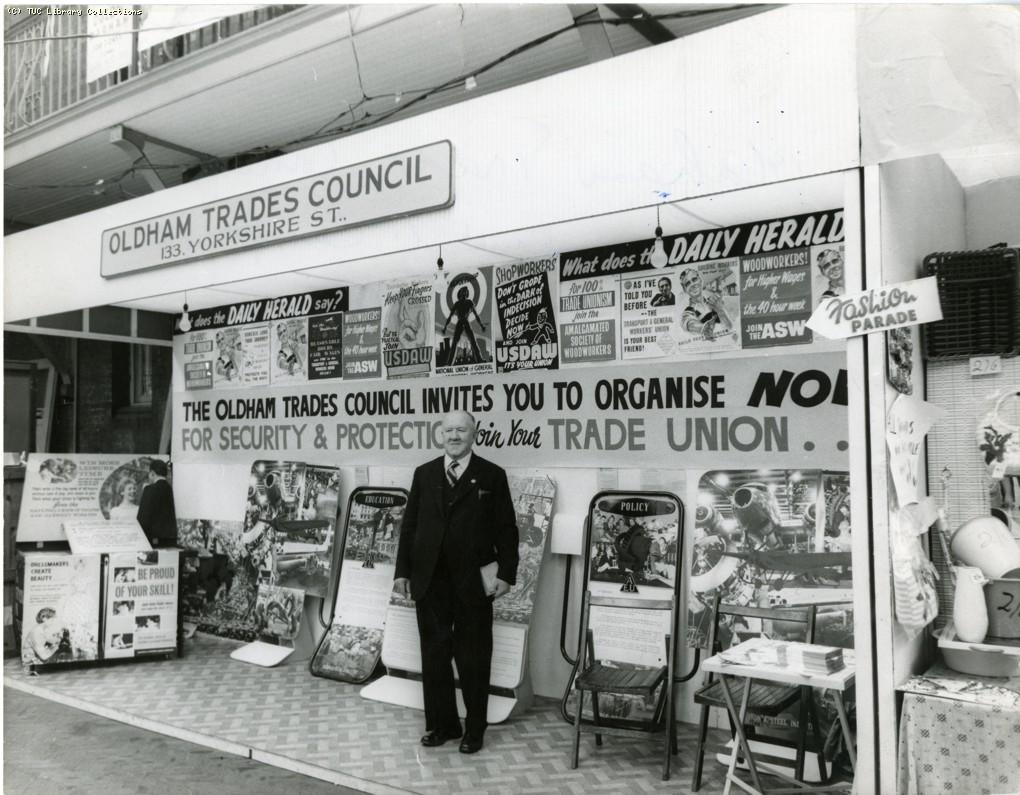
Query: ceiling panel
x=400 y=49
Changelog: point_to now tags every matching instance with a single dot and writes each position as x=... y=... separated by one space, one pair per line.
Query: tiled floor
x=323 y=728
x=50 y=748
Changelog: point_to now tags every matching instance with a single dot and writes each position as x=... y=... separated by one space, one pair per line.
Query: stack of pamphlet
x=757 y=651
x=821 y=659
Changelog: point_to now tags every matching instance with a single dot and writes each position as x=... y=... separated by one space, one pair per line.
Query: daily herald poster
x=407 y=328
x=525 y=300
x=288 y=340
x=748 y=285
x=464 y=323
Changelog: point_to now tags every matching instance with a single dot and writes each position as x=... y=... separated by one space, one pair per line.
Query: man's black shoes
x=437 y=737
x=471 y=745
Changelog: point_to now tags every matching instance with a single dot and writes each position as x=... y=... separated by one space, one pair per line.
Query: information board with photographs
x=80 y=487
x=351 y=647
x=289 y=524
x=771 y=538
x=141 y=603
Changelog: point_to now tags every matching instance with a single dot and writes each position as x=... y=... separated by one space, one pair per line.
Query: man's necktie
x=451 y=473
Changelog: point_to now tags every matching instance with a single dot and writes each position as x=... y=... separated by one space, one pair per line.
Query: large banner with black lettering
x=773 y=410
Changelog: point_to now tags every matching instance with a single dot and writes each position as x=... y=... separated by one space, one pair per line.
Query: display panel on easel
x=352 y=645
x=634 y=542
x=286 y=538
x=533 y=495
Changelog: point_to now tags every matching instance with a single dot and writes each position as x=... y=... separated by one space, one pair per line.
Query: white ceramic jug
x=986 y=542
x=970 y=612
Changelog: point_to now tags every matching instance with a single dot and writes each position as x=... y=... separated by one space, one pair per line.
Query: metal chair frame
x=598 y=678
x=765 y=699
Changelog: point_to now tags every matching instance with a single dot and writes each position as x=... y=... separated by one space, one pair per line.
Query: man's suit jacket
x=471 y=524
x=156 y=513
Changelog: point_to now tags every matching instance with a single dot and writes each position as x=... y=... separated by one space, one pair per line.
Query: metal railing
x=45 y=67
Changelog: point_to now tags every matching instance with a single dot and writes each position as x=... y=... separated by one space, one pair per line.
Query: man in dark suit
x=156 y=512
x=459 y=518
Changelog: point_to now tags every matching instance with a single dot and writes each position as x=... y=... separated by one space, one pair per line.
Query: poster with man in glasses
x=709 y=305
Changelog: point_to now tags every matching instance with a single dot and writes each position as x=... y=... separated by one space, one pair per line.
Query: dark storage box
x=980 y=297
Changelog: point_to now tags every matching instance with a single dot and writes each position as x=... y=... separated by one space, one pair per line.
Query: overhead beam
x=132 y=143
x=594 y=38
x=653 y=30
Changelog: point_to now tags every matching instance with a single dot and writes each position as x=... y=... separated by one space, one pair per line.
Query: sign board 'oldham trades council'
x=404 y=183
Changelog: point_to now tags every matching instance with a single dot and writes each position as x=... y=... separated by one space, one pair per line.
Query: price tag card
x=985 y=365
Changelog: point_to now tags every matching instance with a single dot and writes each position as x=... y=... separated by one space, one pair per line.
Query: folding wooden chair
x=766 y=699
x=602 y=678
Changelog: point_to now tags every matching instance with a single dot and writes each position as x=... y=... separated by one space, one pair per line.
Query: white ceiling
x=768 y=201
x=288 y=95
x=978 y=164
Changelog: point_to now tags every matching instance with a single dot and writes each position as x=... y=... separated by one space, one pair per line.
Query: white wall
x=921 y=211
x=765 y=99
x=937 y=77
x=993 y=213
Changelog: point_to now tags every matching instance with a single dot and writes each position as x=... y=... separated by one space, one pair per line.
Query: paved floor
x=47 y=746
x=325 y=728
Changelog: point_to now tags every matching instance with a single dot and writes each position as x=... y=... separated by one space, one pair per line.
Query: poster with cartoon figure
x=633 y=545
x=228 y=367
x=525 y=298
x=827 y=271
x=289 y=360
x=709 y=303
x=464 y=323
x=407 y=328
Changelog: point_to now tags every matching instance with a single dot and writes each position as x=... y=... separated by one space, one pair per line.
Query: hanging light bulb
x=185 y=322
x=658 y=258
x=440 y=273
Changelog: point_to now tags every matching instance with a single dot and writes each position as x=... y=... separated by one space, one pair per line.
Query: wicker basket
x=980 y=296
